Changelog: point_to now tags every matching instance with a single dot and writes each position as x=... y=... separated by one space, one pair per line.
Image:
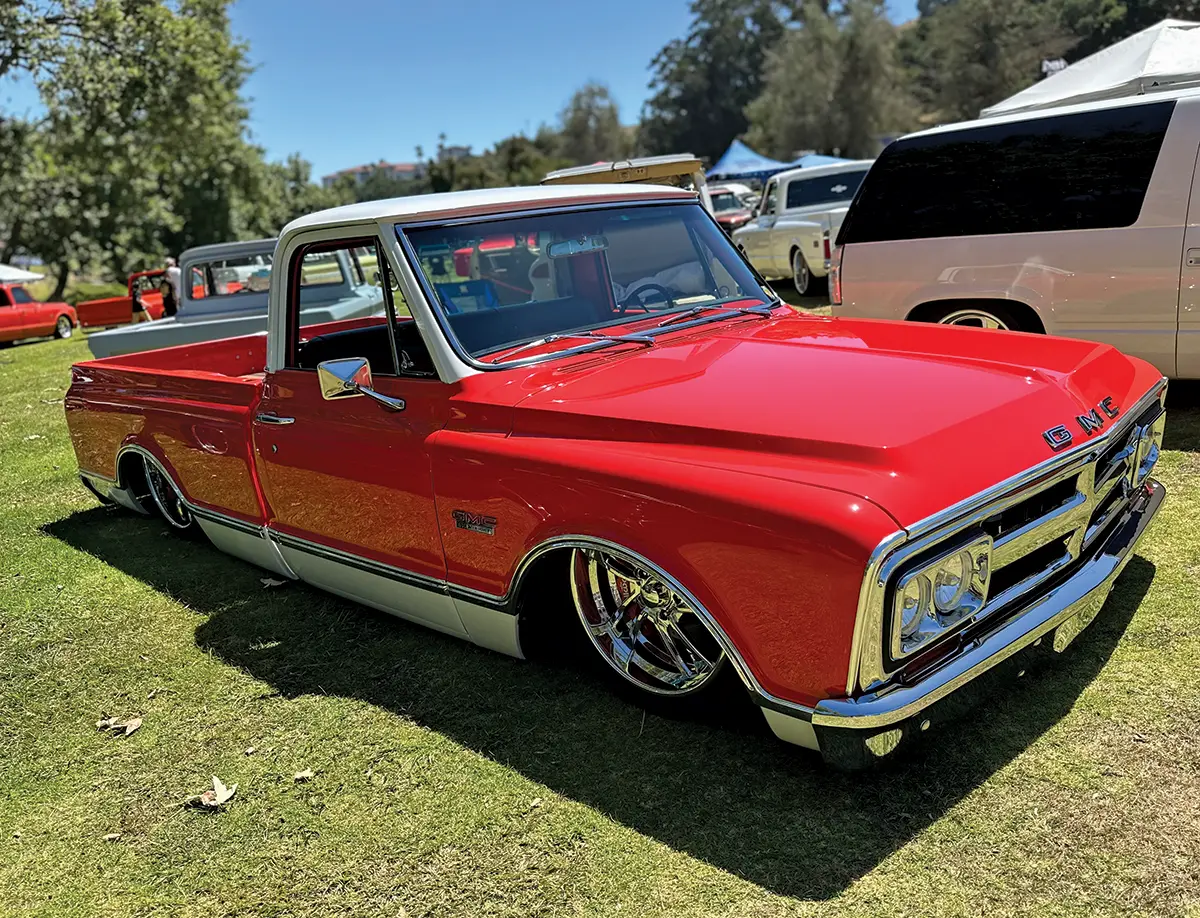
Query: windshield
x=501 y=283
x=726 y=200
x=824 y=190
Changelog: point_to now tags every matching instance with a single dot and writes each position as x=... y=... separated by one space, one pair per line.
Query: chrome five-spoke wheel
x=642 y=627
x=167 y=499
x=63 y=327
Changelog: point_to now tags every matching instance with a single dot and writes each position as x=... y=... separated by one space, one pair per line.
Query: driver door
x=348 y=482
x=757 y=241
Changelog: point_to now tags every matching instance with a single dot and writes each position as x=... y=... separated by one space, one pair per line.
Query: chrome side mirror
x=350 y=377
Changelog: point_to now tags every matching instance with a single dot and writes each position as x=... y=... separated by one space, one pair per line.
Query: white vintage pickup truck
x=800 y=211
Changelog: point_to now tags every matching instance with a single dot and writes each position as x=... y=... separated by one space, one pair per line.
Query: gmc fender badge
x=1059 y=437
x=474 y=522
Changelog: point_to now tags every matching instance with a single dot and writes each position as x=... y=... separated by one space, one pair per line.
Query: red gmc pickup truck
x=854 y=520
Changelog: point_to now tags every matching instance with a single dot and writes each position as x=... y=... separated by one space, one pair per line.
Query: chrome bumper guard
x=1065 y=610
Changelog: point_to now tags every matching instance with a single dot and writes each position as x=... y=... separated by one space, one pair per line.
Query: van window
x=1083 y=171
x=809 y=192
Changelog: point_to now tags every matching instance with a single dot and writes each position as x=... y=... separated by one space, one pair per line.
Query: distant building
x=402 y=171
x=456 y=152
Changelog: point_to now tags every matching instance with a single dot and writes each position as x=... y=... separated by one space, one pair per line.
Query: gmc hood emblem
x=1060 y=437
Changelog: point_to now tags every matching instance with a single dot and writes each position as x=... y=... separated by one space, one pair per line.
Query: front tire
x=650 y=643
x=63 y=328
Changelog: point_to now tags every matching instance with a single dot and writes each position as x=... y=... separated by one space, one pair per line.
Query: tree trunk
x=64 y=274
x=13 y=240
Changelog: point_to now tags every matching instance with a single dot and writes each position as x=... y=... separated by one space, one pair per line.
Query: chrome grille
x=1041 y=526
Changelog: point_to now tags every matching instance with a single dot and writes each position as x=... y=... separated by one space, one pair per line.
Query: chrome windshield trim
x=900 y=545
x=435 y=304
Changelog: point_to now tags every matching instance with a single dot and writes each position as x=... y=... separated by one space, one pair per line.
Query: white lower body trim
x=248 y=546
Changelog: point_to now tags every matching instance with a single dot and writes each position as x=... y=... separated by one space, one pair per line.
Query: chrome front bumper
x=852 y=731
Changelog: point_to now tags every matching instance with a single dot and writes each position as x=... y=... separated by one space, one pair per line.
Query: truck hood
x=913 y=418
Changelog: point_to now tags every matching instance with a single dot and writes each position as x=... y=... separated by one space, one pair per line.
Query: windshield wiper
x=764 y=311
x=550 y=339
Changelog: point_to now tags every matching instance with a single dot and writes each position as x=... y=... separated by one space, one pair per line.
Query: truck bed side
x=189 y=407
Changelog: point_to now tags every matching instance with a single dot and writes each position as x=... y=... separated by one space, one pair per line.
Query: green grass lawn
x=451 y=781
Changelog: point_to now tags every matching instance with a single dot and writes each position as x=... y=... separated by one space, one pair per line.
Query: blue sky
x=362 y=80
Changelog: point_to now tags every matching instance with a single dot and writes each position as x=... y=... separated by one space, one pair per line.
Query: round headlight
x=951 y=581
x=912 y=607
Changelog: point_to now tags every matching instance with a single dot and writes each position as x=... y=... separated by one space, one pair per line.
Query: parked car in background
x=729 y=207
x=780 y=241
x=1081 y=220
x=603 y=461
x=224 y=294
x=21 y=316
x=118 y=310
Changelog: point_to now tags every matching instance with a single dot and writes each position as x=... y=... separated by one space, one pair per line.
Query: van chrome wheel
x=801 y=276
x=63 y=327
x=974 y=318
x=642 y=628
x=166 y=498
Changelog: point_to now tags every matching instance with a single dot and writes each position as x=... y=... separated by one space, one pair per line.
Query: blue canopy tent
x=740 y=162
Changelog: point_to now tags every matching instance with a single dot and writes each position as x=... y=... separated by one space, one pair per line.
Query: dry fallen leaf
x=306 y=775
x=118 y=727
x=535 y=803
x=249 y=750
x=112 y=837
x=35 y=437
x=269 y=582
x=215 y=798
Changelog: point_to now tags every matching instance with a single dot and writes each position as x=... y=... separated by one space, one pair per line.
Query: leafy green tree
x=833 y=85
x=703 y=82
x=969 y=54
x=589 y=127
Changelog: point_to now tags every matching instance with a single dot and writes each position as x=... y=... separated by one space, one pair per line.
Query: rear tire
x=165 y=498
x=977 y=315
x=63 y=328
x=802 y=277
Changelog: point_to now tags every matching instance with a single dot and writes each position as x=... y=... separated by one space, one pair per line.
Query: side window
x=770 y=198
x=828 y=189
x=196 y=280
x=19 y=295
x=1083 y=171
x=323 y=269
x=363 y=328
x=4 y=298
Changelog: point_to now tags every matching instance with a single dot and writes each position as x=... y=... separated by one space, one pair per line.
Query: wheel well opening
x=544 y=605
x=1025 y=317
x=131 y=476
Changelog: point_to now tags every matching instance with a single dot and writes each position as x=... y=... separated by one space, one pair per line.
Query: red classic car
x=853 y=520
x=118 y=310
x=21 y=316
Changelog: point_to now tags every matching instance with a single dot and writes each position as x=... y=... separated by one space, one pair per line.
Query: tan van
x=1080 y=221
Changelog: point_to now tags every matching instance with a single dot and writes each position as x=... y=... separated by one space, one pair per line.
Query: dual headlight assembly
x=930 y=600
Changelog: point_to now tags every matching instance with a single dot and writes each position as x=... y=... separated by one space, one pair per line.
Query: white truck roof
x=481 y=201
x=818 y=171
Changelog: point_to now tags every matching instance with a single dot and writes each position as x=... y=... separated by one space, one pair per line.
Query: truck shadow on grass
x=1183 y=416
x=725 y=792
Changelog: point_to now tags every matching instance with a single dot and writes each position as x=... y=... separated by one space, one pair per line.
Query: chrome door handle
x=1193 y=257
x=273 y=419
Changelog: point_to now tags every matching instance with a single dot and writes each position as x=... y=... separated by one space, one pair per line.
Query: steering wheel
x=634 y=298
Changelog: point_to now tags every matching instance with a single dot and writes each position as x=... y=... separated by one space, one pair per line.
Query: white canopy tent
x=11 y=275
x=1164 y=56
